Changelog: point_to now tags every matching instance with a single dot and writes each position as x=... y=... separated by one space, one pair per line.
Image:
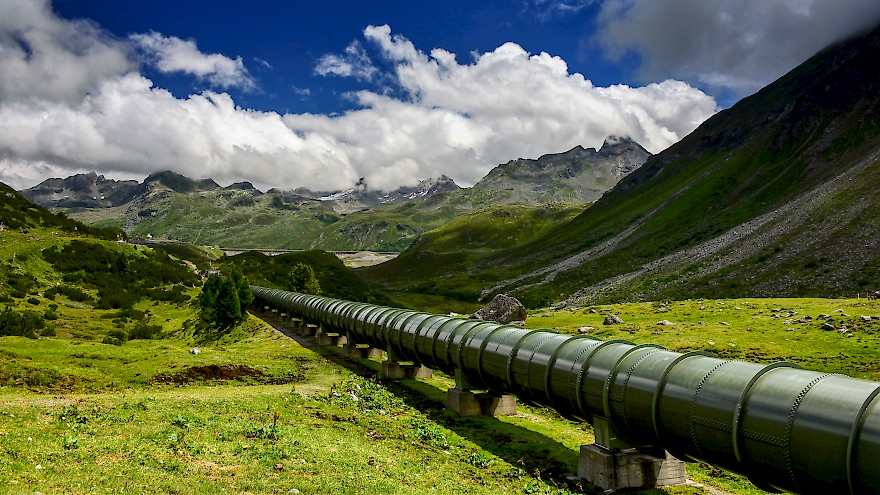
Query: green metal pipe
x=784 y=427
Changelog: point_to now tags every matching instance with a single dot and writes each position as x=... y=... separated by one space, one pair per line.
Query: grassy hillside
x=771 y=197
x=17 y=213
x=444 y=256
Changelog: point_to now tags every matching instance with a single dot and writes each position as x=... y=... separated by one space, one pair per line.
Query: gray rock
x=827 y=326
x=612 y=320
x=585 y=330
x=666 y=323
x=866 y=318
x=195 y=350
x=502 y=309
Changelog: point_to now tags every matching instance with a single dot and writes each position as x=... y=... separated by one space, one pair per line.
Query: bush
x=21 y=323
x=115 y=337
x=143 y=331
x=73 y=293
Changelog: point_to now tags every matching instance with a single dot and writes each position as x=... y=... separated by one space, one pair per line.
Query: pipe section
x=784 y=427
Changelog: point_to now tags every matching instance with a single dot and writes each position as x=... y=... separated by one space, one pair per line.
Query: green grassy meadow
x=256 y=412
x=82 y=411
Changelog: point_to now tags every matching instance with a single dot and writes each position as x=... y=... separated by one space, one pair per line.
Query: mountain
x=576 y=176
x=83 y=191
x=776 y=196
x=171 y=205
x=360 y=197
x=182 y=184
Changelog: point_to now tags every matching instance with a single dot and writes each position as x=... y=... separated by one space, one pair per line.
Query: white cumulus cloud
x=464 y=118
x=172 y=54
x=353 y=63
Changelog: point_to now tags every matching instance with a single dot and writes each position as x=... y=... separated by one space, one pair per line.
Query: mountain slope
x=774 y=196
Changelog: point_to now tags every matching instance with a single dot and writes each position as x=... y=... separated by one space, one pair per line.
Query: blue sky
x=319 y=94
x=292 y=36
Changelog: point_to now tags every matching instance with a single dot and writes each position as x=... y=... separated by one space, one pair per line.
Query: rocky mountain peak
x=579 y=175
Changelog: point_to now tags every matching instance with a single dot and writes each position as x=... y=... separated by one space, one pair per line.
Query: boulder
x=827 y=327
x=665 y=323
x=612 y=320
x=502 y=309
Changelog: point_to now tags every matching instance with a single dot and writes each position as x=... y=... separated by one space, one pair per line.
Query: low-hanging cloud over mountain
x=72 y=98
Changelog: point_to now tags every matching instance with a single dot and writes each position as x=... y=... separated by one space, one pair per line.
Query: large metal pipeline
x=784 y=427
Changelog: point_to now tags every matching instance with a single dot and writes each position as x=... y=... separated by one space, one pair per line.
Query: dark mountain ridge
x=575 y=176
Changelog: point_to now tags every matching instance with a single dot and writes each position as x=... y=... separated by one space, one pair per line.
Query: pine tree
x=227 y=307
x=302 y=279
x=242 y=285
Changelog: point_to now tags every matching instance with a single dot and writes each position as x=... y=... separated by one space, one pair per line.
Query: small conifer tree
x=225 y=298
x=302 y=279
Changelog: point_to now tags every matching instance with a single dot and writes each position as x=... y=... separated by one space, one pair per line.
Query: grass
x=327 y=428
x=757 y=330
x=312 y=422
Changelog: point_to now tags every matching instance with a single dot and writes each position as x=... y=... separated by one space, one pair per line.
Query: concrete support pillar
x=623 y=469
x=296 y=323
x=464 y=402
x=395 y=370
x=328 y=339
x=357 y=351
x=309 y=330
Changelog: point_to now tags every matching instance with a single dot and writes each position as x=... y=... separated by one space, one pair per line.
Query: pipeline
x=783 y=427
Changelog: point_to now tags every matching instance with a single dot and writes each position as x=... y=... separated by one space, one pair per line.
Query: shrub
x=21 y=323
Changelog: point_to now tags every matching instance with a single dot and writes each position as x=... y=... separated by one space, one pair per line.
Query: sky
x=320 y=94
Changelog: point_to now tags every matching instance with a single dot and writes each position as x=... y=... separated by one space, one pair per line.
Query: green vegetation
x=120 y=275
x=225 y=299
x=302 y=279
x=17 y=213
x=334 y=278
x=121 y=391
x=26 y=323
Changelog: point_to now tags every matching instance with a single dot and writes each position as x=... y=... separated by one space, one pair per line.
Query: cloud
x=545 y=10
x=353 y=63
x=463 y=119
x=172 y=54
x=430 y=115
x=737 y=46
x=42 y=56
